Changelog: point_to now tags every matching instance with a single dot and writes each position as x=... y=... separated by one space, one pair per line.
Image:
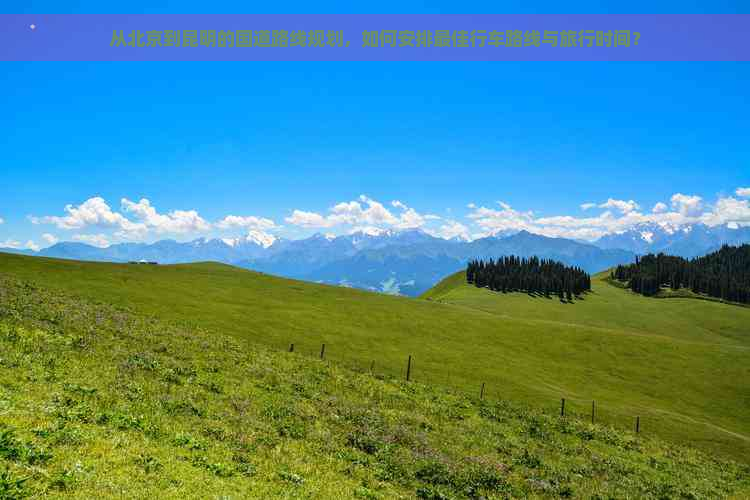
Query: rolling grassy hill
x=679 y=364
x=100 y=401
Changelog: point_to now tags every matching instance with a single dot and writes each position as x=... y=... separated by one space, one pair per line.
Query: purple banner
x=590 y=37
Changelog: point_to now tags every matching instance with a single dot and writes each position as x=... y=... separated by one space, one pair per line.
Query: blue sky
x=266 y=139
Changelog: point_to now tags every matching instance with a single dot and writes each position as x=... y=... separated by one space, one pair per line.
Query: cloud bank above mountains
x=618 y=216
x=95 y=221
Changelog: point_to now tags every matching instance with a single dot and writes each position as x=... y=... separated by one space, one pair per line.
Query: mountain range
x=685 y=241
x=407 y=262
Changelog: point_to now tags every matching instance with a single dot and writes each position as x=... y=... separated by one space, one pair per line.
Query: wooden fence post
x=408 y=369
x=481 y=392
x=372 y=366
x=592 y=412
x=322 y=351
x=562 y=408
x=291 y=347
x=637 y=425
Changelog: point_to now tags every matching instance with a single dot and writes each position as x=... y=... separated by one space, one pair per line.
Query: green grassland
x=100 y=401
x=679 y=364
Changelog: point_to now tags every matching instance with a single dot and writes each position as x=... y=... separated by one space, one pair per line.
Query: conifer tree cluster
x=724 y=274
x=532 y=275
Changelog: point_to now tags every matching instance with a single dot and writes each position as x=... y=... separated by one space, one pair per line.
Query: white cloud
x=618 y=215
x=362 y=212
x=689 y=206
x=686 y=209
x=17 y=245
x=308 y=219
x=96 y=213
x=493 y=221
x=10 y=244
x=660 y=208
x=97 y=240
x=621 y=205
x=728 y=211
x=410 y=219
x=177 y=221
x=564 y=226
x=92 y=212
x=2 y=221
x=49 y=238
x=375 y=214
x=451 y=229
x=249 y=222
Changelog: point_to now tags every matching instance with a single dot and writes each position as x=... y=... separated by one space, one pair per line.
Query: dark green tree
x=530 y=275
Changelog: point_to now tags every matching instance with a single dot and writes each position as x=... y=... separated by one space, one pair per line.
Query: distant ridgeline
x=723 y=274
x=532 y=275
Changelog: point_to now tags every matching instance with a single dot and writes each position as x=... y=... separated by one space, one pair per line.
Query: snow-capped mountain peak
x=372 y=231
x=370 y=259
x=461 y=238
x=253 y=237
x=687 y=240
x=260 y=238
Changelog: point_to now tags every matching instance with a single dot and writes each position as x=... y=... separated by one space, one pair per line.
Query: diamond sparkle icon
x=32 y=27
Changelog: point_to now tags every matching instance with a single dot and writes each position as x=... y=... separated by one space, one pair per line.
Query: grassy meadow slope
x=102 y=402
x=681 y=365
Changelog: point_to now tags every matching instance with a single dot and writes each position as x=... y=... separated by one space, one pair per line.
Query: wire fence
x=454 y=381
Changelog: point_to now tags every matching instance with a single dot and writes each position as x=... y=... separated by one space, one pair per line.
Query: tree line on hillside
x=531 y=275
x=724 y=274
